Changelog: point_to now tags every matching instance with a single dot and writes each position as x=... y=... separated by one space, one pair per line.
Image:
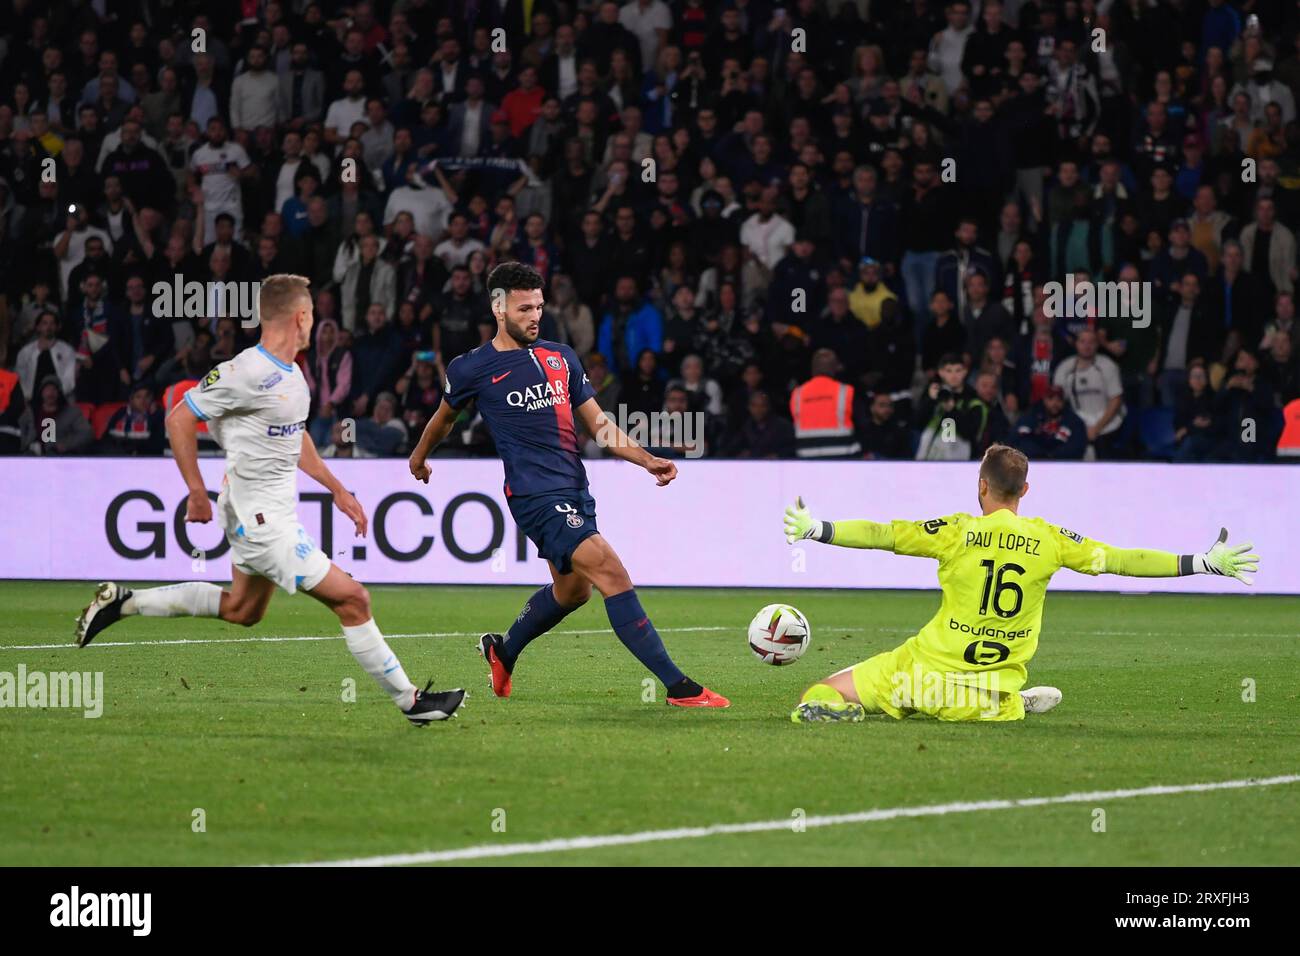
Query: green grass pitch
x=257 y=736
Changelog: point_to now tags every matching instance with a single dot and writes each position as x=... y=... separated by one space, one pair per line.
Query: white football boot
x=1039 y=700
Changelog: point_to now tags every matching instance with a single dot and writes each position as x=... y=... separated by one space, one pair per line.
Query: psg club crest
x=553 y=362
x=574 y=520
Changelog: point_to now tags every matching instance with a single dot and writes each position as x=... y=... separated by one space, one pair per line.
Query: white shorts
x=282 y=552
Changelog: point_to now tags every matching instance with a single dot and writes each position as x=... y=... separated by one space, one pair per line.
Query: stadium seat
x=102 y=415
x=1157 y=430
x=87 y=409
x=176 y=393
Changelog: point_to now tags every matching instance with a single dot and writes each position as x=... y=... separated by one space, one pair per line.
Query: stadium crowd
x=829 y=227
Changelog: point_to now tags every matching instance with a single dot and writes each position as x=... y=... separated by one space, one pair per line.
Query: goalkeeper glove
x=1226 y=559
x=799 y=524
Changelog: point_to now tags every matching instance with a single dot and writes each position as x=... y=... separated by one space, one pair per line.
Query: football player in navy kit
x=532 y=393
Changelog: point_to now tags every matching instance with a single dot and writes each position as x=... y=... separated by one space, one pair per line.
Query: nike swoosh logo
x=497 y=378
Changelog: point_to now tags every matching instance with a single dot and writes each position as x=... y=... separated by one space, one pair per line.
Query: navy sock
x=541 y=613
x=640 y=637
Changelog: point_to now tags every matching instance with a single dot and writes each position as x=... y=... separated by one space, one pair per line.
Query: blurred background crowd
x=828 y=227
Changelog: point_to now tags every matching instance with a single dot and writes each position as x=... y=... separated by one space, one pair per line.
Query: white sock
x=378 y=660
x=191 y=599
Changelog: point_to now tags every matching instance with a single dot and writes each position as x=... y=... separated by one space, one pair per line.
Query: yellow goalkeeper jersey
x=993 y=570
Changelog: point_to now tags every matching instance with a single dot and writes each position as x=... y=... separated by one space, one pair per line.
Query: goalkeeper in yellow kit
x=968 y=662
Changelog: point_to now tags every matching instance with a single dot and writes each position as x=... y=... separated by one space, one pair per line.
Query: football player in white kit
x=256 y=406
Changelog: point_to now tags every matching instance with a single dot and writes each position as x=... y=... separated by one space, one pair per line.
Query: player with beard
x=532 y=393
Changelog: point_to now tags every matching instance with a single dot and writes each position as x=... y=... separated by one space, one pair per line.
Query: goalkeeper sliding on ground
x=968 y=662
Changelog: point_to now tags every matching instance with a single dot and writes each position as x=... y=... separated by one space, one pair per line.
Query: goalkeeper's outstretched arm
x=1077 y=553
x=799 y=524
x=1228 y=560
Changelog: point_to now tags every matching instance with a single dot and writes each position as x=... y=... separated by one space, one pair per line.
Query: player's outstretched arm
x=609 y=436
x=800 y=524
x=313 y=465
x=439 y=428
x=1228 y=560
x=182 y=435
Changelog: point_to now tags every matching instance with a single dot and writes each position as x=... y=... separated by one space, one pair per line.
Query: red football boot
x=499 y=681
x=705 y=698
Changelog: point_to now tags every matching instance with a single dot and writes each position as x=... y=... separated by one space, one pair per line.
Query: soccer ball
x=779 y=634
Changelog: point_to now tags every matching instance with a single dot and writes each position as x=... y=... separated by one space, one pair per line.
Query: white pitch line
x=662 y=630
x=488 y=851
x=334 y=637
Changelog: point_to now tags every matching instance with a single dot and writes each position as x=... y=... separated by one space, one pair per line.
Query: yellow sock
x=823 y=693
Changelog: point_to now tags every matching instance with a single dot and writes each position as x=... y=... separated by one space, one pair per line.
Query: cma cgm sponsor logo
x=539 y=396
x=137 y=522
x=284 y=431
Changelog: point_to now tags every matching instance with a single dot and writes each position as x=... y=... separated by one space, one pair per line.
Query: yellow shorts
x=898 y=684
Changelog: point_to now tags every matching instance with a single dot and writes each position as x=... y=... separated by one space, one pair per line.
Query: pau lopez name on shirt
x=1006 y=541
x=555 y=392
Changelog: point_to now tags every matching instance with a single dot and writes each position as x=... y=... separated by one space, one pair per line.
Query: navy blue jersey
x=527 y=397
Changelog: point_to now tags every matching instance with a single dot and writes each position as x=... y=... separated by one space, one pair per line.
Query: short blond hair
x=1005 y=469
x=280 y=295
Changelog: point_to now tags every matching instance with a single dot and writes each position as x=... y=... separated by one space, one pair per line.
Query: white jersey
x=256 y=407
x=219 y=165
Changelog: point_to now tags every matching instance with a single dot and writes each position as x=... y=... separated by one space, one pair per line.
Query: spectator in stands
x=643 y=387
x=97 y=317
x=1244 y=412
x=991 y=426
x=327 y=368
x=459 y=312
x=1094 y=389
x=573 y=319
x=1177 y=259
x=983 y=318
x=703 y=392
x=630 y=326
x=420 y=393
x=137 y=427
x=1132 y=342
x=1280 y=370
x=882 y=433
x=376 y=355
x=1195 y=430
x=369 y=281
x=46 y=356
x=943 y=335
x=682 y=437
x=959 y=262
x=762 y=434
x=947 y=414
x=868 y=298
x=1268 y=249
x=143 y=340
x=767 y=234
x=1050 y=430
x=382 y=434
x=52 y=426
x=840 y=330
x=468 y=154
x=1235 y=299
x=1283 y=322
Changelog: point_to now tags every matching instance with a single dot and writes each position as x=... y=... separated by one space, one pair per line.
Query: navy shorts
x=557 y=522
